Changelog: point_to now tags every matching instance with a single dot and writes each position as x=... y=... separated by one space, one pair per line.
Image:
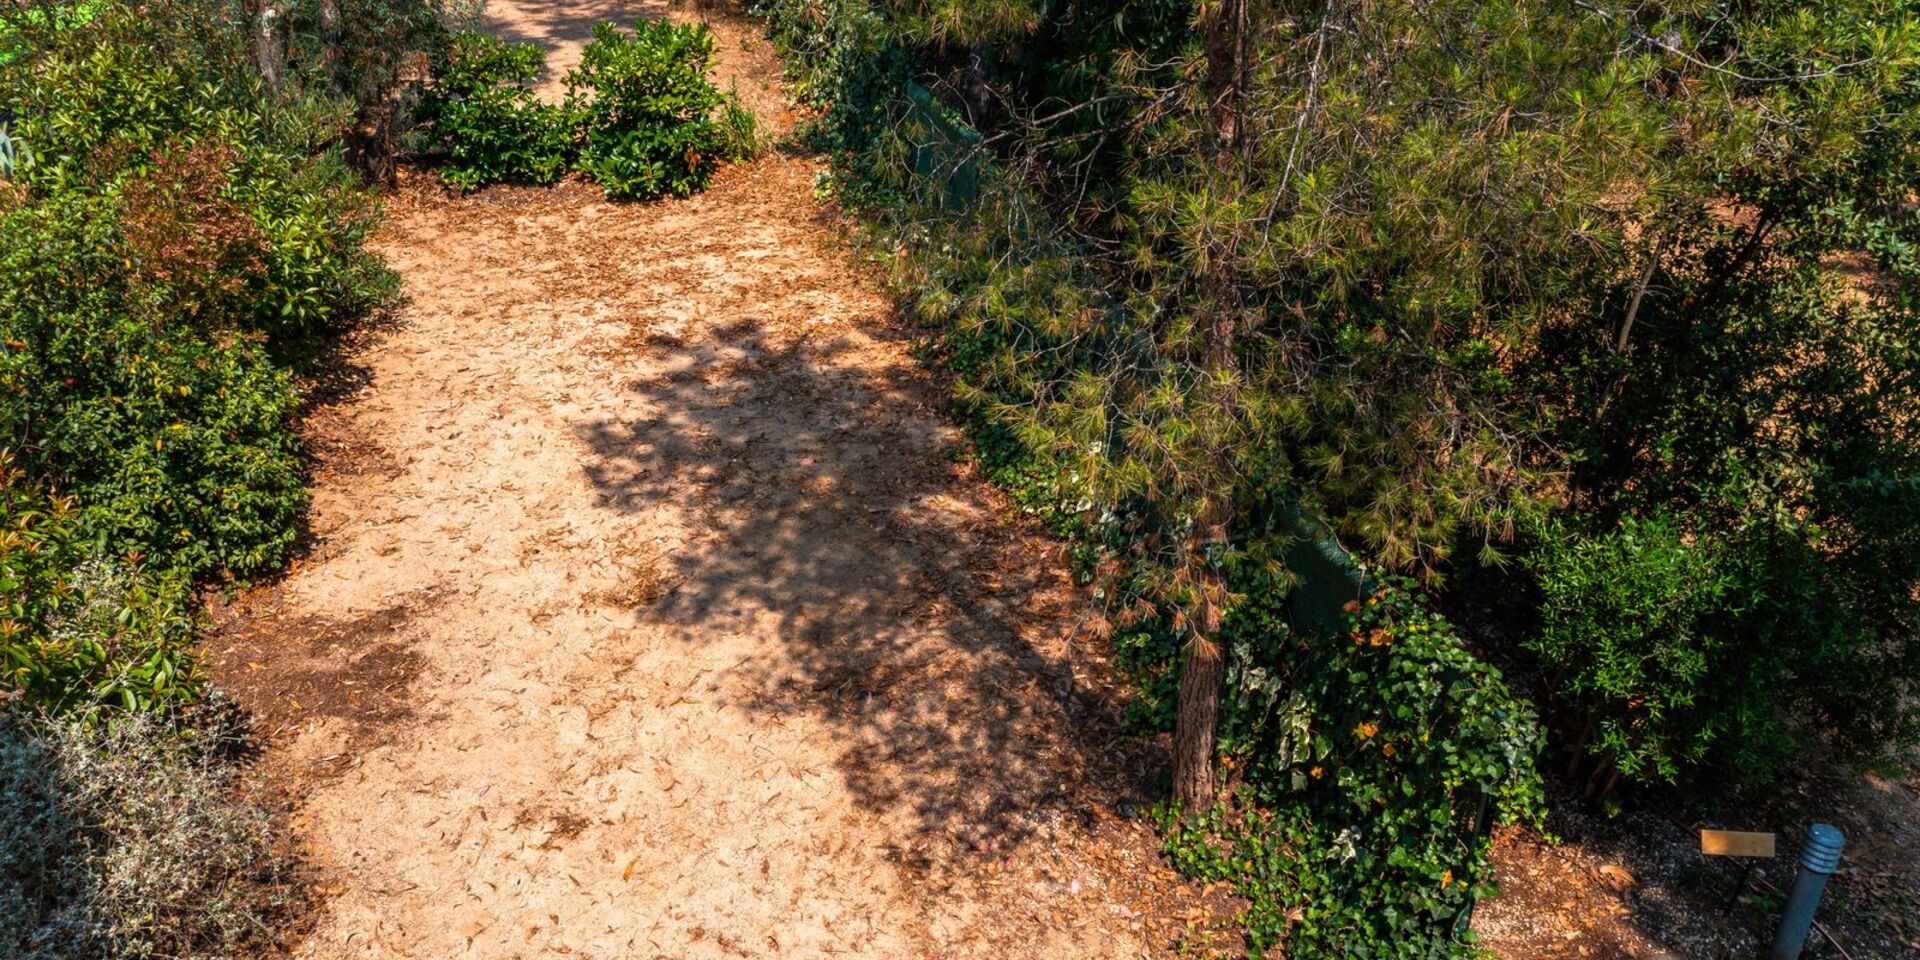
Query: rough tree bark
x=268 y=56
x=1201 y=668
x=1203 y=662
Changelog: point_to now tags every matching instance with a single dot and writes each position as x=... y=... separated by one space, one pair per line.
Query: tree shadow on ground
x=933 y=635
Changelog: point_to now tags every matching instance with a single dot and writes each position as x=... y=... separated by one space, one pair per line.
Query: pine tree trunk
x=1200 y=672
x=1203 y=664
x=1227 y=74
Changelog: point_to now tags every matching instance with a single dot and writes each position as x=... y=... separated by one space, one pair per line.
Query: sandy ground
x=650 y=615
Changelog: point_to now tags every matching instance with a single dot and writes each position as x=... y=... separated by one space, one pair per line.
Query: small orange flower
x=1365 y=731
x=1387 y=748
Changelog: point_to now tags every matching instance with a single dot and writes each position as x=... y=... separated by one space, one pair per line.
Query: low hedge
x=641 y=117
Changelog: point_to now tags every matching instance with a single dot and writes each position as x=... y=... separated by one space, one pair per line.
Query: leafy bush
x=740 y=136
x=1626 y=639
x=172 y=246
x=844 y=59
x=495 y=129
x=1688 y=651
x=78 y=628
x=176 y=239
x=369 y=53
x=641 y=117
x=128 y=839
x=22 y=25
x=193 y=162
x=647 y=110
x=1373 y=764
x=176 y=439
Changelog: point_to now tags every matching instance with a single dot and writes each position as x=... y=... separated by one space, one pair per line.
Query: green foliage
x=1628 y=638
x=1373 y=765
x=495 y=129
x=21 y=26
x=147 y=275
x=1368 y=770
x=368 y=50
x=641 y=118
x=77 y=628
x=194 y=163
x=176 y=238
x=740 y=136
x=1761 y=392
x=123 y=837
x=647 y=110
x=175 y=242
x=1619 y=263
x=843 y=59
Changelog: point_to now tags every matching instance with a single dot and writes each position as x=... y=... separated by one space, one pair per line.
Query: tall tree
x=1203 y=662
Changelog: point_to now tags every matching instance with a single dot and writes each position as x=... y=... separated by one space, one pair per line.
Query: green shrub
x=740 y=136
x=1688 y=652
x=1373 y=764
x=236 y=191
x=366 y=53
x=1627 y=640
x=640 y=113
x=128 y=839
x=78 y=628
x=172 y=246
x=845 y=59
x=176 y=439
x=494 y=128
x=647 y=110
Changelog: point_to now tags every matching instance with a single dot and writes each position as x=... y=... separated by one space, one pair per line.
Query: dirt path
x=649 y=615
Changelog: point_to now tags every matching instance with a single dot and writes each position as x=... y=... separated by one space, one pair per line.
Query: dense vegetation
x=176 y=243
x=494 y=128
x=1596 y=318
x=123 y=840
x=1590 y=325
x=183 y=188
x=182 y=230
x=641 y=116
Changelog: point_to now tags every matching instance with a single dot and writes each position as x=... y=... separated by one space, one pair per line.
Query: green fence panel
x=1328 y=576
x=946 y=152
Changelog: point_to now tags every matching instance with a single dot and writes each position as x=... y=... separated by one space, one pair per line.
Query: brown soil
x=648 y=613
x=1636 y=886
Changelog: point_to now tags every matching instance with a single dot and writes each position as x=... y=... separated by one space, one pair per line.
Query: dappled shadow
x=925 y=629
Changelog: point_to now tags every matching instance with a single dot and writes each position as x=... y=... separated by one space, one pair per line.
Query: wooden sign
x=1733 y=843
